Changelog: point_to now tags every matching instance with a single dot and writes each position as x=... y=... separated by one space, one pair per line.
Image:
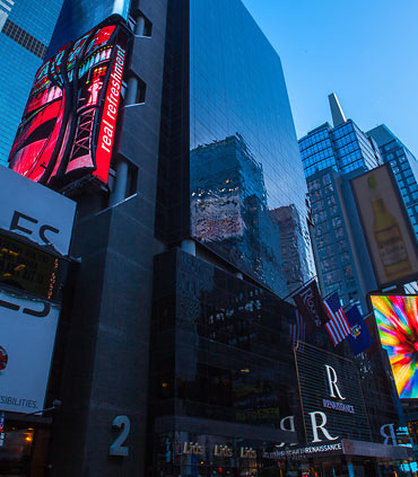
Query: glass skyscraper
x=331 y=156
x=242 y=147
x=404 y=166
x=26 y=27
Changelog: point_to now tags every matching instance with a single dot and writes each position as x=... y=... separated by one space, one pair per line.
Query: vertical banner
x=308 y=301
x=359 y=339
x=390 y=239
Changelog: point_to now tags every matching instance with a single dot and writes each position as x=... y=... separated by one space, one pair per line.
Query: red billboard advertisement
x=69 y=123
x=397 y=322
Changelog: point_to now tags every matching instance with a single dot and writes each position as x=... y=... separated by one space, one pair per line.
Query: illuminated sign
x=389 y=235
x=332 y=402
x=68 y=126
x=397 y=322
x=27 y=268
x=27 y=335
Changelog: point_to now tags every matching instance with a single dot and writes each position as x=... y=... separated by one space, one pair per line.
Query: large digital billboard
x=27 y=337
x=390 y=239
x=69 y=123
x=397 y=322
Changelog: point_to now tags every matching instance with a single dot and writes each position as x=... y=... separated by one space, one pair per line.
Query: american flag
x=337 y=326
x=298 y=330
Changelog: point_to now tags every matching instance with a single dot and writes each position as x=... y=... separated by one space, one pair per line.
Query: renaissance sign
x=332 y=402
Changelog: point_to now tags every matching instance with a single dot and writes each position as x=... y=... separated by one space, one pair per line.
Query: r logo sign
x=334 y=391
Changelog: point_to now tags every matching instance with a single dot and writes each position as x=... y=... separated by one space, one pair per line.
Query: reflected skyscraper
x=229 y=119
x=229 y=212
x=296 y=265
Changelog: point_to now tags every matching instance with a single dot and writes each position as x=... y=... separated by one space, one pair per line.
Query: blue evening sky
x=366 y=51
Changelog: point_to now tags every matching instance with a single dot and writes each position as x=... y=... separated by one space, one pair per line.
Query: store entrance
x=15 y=451
x=23 y=451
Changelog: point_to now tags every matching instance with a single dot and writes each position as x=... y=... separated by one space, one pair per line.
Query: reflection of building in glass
x=404 y=166
x=229 y=210
x=332 y=156
x=26 y=27
x=210 y=94
x=295 y=265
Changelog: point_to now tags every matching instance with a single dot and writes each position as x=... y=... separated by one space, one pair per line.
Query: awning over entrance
x=373 y=449
x=346 y=447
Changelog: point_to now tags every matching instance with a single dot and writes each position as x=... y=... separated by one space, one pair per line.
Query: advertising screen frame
x=382 y=283
x=390 y=293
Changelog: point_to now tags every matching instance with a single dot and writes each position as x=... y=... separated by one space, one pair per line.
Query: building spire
x=336 y=110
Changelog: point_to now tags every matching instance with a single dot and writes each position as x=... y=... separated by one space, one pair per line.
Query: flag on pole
x=337 y=326
x=359 y=339
x=308 y=301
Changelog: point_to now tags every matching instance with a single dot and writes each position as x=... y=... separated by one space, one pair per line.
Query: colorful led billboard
x=69 y=123
x=397 y=322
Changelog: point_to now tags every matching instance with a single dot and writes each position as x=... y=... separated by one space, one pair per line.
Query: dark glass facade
x=225 y=383
x=223 y=371
x=244 y=158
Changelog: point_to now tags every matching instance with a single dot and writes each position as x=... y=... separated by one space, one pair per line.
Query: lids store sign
x=332 y=401
x=219 y=450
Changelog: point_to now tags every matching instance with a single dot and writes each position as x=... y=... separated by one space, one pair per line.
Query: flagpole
x=300 y=288
x=329 y=294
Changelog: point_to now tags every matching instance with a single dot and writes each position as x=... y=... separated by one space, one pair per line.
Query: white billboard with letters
x=35 y=212
x=27 y=335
